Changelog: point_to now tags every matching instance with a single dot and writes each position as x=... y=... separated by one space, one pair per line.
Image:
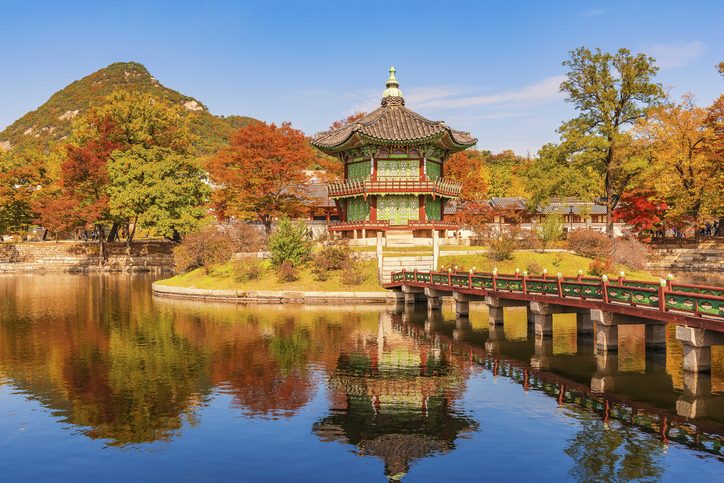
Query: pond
x=98 y=379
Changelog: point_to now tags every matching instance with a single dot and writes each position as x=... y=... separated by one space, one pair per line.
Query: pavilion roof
x=393 y=124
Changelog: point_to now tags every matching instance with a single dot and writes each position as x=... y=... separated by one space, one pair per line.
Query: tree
x=348 y=120
x=550 y=230
x=22 y=175
x=610 y=91
x=158 y=189
x=468 y=167
x=261 y=175
x=683 y=171
x=504 y=171
x=641 y=210
x=289 y=244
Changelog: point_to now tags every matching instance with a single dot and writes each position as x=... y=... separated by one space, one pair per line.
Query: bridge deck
x=692 y=305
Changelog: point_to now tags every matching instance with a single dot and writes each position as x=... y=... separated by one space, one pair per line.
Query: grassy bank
x=566 y=263
x=222 y=277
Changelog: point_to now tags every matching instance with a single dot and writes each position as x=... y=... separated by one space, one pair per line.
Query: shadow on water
x=127 y=369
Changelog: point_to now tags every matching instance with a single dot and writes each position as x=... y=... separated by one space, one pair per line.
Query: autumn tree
x=611 y=92
x=347 y=120
x=261 y=175
x=22 y=175
x=157 y=189
x=468 y=167
x=684 y=168
x=505 y=174
x=642 y=210
x=332 y=169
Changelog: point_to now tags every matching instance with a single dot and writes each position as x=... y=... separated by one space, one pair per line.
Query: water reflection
x=127 y=369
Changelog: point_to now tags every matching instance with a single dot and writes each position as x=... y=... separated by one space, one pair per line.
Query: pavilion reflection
x=394 y=398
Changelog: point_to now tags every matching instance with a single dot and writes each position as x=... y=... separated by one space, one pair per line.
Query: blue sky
x=492 y=68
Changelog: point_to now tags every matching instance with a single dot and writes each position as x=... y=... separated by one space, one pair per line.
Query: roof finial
x=393 y=87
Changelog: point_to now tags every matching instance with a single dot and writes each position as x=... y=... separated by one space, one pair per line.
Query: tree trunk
x=267 y=220
x=100 y=232
x=609 y=191
x=113 y=234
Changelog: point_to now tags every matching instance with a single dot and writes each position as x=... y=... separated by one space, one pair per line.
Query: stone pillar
x=529 y=315
x=434 y=299
x=435 y=249
x=354 y=234
x=697 y=347
x=606 y=368
x=655 y=337
x=462 y=304
x=379 y=255
x=543 y=325
x=584 y=324
x=496 y=335
x=585 y=344
x=606 y=338
x=433 y=322
x=413 y=295
x=463 y=327
x=697 y=400
x=541 y=359
x=495 y=315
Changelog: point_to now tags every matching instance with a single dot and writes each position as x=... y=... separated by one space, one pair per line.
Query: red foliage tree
x=468 y=167
x=261 y=175
x=641 y=210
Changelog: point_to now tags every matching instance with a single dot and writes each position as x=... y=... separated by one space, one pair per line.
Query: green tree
x=157 y=188
x=22 y=174
x=289 y=243
x=610 y=91
x=550 y=230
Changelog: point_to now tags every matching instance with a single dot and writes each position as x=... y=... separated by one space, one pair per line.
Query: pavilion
x=394 y=184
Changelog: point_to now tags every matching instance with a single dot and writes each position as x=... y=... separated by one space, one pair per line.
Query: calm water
x=100 y=380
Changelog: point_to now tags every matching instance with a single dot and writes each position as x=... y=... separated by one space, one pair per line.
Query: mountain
x=51 y=122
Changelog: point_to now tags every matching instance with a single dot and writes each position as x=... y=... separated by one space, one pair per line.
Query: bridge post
x=697 y=347
x=697 y=400
x=606 y=368
x=655 y=337
x=462 y=304
x=434 y=299
x=462 y=328
x=496 y=305
x=495 y=315
x=412 y=294
x=606 y=331
x=496 y=335
x=584 y=324
x=541 y=359
x=433 y=322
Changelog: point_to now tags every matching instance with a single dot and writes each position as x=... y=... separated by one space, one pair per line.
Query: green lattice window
x=433 y=208
x=433 y=170
x=398 y=209
x=398 y=168
x=358 y=170
x=358 y=209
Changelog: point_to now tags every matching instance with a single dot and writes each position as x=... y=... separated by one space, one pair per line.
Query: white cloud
x=672 y=56
x=545 y=90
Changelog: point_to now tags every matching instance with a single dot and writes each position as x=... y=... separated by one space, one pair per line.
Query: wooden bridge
x=697 y=310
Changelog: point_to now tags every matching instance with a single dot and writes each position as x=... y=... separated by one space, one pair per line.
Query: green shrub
x=289 y=243
x=204 y=248
x=248 y=269
x=589 y=243
x=287 y=272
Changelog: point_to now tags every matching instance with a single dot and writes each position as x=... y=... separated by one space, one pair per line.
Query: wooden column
x=373 y=208
x=421 y=203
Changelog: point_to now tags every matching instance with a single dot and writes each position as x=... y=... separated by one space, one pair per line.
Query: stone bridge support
x=413 y=295
x=462 y=304
x=606 y=369
x=496 y=306
x=434 y=321
x=463 y=328
x=697 y=400
x=542 y=314
x=496 y=335
x=541 y=359
x=607 y=330
x=697 y=347
x=434 y=299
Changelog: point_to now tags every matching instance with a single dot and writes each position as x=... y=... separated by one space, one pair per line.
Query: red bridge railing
x=698 y=300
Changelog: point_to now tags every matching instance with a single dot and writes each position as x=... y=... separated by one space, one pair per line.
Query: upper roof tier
x=393 y=124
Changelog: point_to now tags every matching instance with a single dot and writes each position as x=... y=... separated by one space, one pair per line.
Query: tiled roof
x=392 y=122
x=510 y=203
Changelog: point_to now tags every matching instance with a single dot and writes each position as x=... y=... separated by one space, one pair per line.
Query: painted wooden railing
x=698 y=300
x=352 y=187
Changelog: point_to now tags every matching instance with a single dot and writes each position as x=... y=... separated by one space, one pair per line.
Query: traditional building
x=394 y=171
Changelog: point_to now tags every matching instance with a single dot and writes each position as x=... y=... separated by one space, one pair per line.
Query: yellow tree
x=685 y=172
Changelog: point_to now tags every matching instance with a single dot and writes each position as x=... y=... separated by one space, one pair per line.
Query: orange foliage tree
x=261 y=175
x=469 y=168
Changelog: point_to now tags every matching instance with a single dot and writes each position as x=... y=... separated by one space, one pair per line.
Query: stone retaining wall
x=83 y=257
x=274 y=297
x=705 y=257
